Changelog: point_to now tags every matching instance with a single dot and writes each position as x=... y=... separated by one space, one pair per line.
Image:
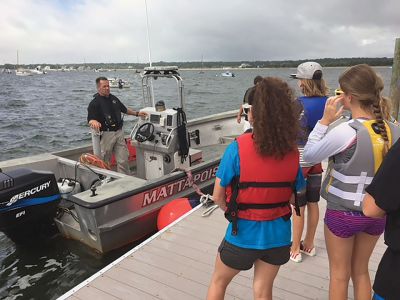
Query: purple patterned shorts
x=345 y=224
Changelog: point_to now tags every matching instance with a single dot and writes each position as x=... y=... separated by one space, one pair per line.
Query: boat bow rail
x=151 y=73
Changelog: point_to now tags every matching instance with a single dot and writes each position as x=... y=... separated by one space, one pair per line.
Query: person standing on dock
x=254 y=183
x=315 y=93
x=355 y=150
x=105 y=116
x=382 y=199
x=247 y=99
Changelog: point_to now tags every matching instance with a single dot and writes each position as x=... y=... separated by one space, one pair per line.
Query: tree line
x=325 y=62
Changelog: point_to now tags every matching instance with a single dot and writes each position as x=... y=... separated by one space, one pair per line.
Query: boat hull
x=127 y=217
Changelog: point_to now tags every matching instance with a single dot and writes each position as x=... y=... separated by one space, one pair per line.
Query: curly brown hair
x=276 y=123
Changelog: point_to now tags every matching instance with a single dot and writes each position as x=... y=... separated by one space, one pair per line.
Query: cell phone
x=246 y=108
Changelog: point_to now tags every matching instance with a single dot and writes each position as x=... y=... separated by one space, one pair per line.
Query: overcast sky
x=74 y=31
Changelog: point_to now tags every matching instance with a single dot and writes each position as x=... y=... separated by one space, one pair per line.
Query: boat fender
x=68 y=186
x=174 y=210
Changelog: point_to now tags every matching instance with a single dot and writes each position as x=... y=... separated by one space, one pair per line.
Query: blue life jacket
x=313 y=110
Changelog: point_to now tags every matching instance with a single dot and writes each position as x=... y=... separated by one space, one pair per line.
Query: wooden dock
x=177 y=263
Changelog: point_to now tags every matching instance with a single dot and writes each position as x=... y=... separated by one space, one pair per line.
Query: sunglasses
x=338 y=92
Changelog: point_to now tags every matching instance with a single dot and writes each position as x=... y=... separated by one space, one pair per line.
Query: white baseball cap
x=308 y=70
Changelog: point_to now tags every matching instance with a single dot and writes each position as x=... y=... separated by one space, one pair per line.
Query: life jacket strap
x=231 y=214
x=244 y=206
x=361 y=181
x=363 y=178
x=232 y=207
x=245 y=185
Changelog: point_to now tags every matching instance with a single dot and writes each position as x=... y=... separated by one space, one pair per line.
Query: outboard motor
x=28 y=200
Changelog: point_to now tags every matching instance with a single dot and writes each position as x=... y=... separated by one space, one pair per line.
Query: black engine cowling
x=28 y=199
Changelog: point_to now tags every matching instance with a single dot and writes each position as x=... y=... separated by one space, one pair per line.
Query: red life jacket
x=264 y=186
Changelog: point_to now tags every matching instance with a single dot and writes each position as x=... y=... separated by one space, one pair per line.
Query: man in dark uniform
x=105 y=116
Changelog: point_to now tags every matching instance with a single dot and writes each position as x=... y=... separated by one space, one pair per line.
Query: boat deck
x=177 y=263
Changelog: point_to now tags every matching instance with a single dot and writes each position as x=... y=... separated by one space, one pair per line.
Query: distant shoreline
x=263 y=68
x=217 y=65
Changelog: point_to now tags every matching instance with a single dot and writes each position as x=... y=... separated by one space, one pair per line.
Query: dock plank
x=170 y=278
x=90 y=292
x=119 y=289
x=153 y=287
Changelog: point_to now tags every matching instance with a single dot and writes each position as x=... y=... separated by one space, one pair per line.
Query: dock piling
x=395 y=83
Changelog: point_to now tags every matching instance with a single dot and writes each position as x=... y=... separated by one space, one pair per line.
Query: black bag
x=183 y=140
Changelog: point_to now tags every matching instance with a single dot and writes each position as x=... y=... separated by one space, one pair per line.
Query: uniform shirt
x=95 y=112
x=254 y=234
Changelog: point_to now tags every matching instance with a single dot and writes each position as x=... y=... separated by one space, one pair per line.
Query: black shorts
x=243 y=259
x=313 y=188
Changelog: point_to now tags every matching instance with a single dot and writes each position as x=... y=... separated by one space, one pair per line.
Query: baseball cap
x=308 y=70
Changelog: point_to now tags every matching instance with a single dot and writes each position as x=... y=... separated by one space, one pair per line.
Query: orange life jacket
x=264 y=187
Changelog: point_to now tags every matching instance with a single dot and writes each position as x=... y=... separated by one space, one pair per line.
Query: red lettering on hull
x=162 y=192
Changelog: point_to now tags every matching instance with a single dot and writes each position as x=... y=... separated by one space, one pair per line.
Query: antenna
x=148 y=33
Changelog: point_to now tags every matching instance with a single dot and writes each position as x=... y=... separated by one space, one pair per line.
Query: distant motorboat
x=228 y=74
x=37 y=71
x=118 y=83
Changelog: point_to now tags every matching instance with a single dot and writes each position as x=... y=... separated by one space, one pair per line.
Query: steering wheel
x=145 y=133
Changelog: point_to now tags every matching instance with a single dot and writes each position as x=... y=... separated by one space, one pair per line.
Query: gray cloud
x=183 y=30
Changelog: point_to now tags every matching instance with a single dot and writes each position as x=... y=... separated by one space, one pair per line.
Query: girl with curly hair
x=255 y=182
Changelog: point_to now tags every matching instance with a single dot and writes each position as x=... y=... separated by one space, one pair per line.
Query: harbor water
x=46 y=113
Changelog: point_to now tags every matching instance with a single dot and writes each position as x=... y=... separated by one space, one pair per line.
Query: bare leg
x=312 y=222
x=298 y=226
x=264 y=275
x=222 y=276
x=364 y=244
x=339 y=255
